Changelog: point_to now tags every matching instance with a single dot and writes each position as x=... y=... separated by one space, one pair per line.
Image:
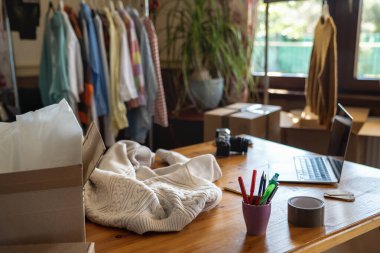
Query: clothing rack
x=4 y=92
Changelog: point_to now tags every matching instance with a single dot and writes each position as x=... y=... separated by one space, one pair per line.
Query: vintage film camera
x=226 y=143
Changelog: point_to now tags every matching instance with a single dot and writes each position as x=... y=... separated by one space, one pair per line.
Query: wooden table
x=222 y=229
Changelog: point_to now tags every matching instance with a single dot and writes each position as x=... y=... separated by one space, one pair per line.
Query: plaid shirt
x=160 y=115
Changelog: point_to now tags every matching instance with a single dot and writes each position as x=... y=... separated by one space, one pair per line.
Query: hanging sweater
x=125 y=193
x=321 y=87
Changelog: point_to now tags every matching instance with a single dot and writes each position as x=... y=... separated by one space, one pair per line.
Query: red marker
x=254 y=172
x=242 y=188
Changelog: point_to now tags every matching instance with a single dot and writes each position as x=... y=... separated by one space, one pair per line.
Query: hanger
x=50 y=8
x=325 y=10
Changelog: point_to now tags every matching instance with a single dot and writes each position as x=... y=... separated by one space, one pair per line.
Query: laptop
x=324 y=169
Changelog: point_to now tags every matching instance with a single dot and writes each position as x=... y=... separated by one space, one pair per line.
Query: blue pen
x=261 y=184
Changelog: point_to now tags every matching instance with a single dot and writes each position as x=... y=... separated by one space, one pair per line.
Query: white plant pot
x=206 y=94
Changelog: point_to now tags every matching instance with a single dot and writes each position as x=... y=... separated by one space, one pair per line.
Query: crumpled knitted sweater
x=124 y=192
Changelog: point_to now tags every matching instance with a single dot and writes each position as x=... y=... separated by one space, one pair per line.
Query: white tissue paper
x=46 y=138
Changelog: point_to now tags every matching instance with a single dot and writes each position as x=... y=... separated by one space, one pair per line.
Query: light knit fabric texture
x=124 y=192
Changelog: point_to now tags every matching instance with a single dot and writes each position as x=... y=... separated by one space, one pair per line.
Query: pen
x=272 y=194
x=225 y=188
x=269 y=189
x=242 y=188
x=260 y=189
x=254 y=172
x=261 y=184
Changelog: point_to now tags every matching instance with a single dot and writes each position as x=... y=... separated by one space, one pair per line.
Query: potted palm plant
x=210 y=50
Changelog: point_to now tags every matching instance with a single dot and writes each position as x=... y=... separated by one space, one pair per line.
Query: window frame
x=347 y=20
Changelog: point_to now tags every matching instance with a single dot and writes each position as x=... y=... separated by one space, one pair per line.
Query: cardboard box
x=310 y=120
x=50 y=248
x=364 y=144
x=244 y=118
x=248 y=123
x=215 y=119
x=46 y=205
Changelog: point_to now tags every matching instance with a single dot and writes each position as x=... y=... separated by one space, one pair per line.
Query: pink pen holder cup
x=256 y=218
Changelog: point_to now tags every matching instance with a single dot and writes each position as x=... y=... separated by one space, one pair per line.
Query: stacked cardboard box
x=259 y=120
x=46 y=205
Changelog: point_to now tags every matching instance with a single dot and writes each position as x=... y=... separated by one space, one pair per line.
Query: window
x=368 y=65
x=292 y=24
x=291 y=31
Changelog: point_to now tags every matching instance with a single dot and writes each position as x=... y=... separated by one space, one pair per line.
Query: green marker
x=270 y=188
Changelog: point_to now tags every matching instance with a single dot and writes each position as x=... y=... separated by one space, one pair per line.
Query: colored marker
x=272 y=194
x=242 y=188
x=254 y=172
x=270 y=188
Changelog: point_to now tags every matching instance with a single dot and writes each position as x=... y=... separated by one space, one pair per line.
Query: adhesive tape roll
x=306 y=211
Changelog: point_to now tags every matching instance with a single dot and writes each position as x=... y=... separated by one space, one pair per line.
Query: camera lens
x=239 y=144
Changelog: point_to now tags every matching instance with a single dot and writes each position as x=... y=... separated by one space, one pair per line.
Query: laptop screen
x=339 y=137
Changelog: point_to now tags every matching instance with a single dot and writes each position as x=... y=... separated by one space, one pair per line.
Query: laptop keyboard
x=312 y=168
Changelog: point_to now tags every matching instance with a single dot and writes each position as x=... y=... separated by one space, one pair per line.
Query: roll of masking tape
x=306 y=211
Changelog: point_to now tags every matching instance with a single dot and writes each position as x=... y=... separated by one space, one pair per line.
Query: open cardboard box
x=79 y=247
x=259 y=120
x=46 y=205
x=310 y=120
x=364 y=144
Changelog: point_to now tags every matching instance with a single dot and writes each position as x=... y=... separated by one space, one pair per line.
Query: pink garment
x=160 y=115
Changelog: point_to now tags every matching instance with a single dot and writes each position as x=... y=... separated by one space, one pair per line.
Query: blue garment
x=138 y=129
x=140 y=119
x=97 y=70
x=53 y=78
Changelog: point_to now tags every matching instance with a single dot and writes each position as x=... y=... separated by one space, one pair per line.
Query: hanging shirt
x=74 y=22
x=147 y=62
x=322 y=82
x=106 y=35
x=119 y=117
x=135 y=55
x=127 y=87
x=74 y=64
x=98 y=78
x=109 y=138
x=141 y=118
x=160 y=115
x=53 y=79
x=89 y=97
x=86 y=114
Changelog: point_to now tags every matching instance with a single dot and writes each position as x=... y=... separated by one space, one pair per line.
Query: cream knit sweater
x=124 y=192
